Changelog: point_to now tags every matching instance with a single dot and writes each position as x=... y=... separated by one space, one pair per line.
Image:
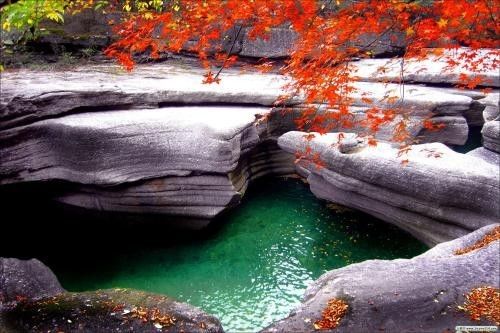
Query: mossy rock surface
x=116 y=310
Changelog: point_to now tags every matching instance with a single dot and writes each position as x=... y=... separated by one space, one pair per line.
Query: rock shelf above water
x=114 y=147
x=436 y=194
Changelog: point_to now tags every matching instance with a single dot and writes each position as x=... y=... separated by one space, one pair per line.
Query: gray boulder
x=491 y=103
x=491 y=135
x=25 y=279
x=491 y=128
x=404 y=295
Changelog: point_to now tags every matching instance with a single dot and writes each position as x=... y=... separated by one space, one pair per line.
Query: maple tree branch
x=229 y=52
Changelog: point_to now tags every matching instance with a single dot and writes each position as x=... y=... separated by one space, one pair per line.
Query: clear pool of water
x=250 y=268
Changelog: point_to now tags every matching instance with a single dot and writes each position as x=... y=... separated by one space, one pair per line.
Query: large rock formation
x=432 y=192
x=32 y=300
x=434 y=71
x=184 y=161
x=157 y=140
x=404 y=295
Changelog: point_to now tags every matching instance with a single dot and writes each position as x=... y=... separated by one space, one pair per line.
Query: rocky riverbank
x=32 y=300
x=428 y=293
x=423 y=294
x=436 y=194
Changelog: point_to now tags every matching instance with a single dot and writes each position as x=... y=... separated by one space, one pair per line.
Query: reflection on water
x=250 y=268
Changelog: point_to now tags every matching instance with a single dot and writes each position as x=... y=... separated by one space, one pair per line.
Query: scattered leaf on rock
x=332 y=314
x=152 y=315
x=483 y=303
x=490 y=237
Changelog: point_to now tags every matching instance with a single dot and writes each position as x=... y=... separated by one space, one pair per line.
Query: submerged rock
x=432 y=192
x=422 y=294
x=32 y=300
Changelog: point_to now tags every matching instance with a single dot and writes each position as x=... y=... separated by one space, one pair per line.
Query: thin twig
x=229 y=52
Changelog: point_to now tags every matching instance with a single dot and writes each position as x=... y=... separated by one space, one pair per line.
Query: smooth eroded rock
x=115 y=147
x=32 y=300
x=491 y=135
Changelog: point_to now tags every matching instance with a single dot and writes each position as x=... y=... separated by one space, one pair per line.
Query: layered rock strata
x=157 y=140
x=191 y=162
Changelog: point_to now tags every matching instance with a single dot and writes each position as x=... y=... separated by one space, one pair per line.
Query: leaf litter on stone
x=490 y=237
x=335 y=310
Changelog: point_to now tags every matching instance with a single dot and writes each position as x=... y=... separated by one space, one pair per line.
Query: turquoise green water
x=253 y=267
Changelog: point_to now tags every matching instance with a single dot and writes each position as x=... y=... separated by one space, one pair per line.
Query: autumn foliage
x=490 y=237
x=333 y=313
x=330 y=34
